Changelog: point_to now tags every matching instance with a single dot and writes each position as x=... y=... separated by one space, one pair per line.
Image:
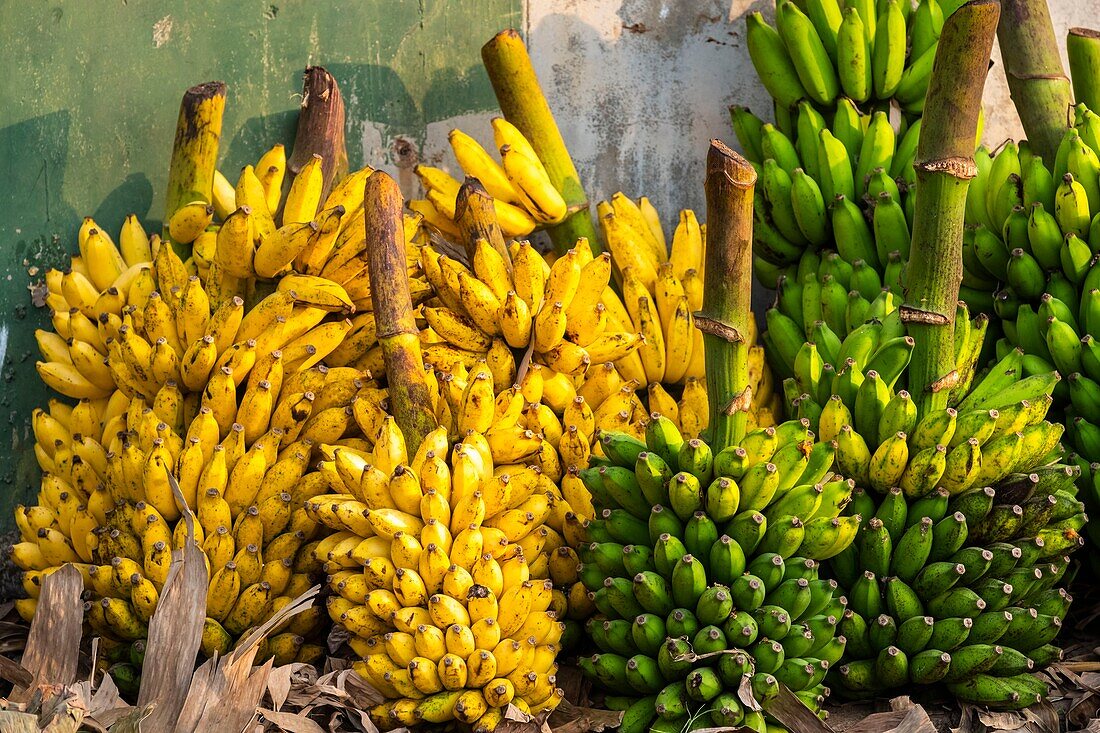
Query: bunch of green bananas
x=843 y=187
x=960 y=588
x=966 y=512
x=825 y=298
x=1030 y=252
x=870 y=52
x=704 y=570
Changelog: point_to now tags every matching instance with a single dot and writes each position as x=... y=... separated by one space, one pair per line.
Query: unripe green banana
x=911 y=552
x=929 y=666
x=877 y=151
x=948 y=536
x=663 y=521
x=926 y=22
x=1004 y=693
x=648 y=633
x=1025 y=275
x=808 y=207
x=672 y=701
x=937 y=578
x=892 y=667
x=991 y=251
x=652 y=474
x=747 y=529
x=989 y=627
x=747 y=126
x=851 y=233
x=776 y=185
x=807 y=53
x=888 y=57
x=643 y=673
x=950 y=632
x=1076 y=258
x=914 y=82
x=772 y=62
x=901 y=600
x=667 y=553
x=835 y=168
x=854 y=56
x=914 y=633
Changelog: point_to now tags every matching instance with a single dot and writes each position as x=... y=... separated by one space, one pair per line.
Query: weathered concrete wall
x=658 y=76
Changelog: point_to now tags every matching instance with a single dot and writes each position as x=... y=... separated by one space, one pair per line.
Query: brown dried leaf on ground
x=53 y=644
x=336 y=700
x=569 y=718
x=789 y=710
x=903 y=717
x=175 y=634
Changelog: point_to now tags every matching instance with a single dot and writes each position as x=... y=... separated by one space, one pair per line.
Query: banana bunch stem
x=410 y=399
x=727 y=292
x=1083 y=48
x=477 y=219
x=195 y=150
x=320 y=128
x=525 y=106
x=1035 y=75
x=944 y=166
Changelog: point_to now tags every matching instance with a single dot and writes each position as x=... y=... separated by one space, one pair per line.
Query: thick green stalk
x=525 y=106
x=410 y=400
x=727 y=293
x=194 y=151
x=320 y=128
x=1083 y=47
x=945 y=165
x=1036 y=79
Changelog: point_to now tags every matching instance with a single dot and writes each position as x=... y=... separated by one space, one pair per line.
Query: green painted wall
x=91 y=93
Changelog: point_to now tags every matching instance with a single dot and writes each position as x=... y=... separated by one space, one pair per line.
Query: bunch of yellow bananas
x=554 y=310
x=662 y=288
x=430 y=566
x=523 y=196
x=177 y=377
x=541 y=422
x=326 y=239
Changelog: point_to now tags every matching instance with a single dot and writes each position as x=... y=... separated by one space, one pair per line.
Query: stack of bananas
x=968 y=519
x=523 y=196
x=871 y=53
x=177 y=377
x=524 y=303
x=842 y=188
x=323 y=239
x=1033 y=234
x=576 y=324
x=704 y=569
x=431 y=573
x=662 y=289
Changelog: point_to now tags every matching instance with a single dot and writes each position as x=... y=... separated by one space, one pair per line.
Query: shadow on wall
x=379 y=109
x=33 y=236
